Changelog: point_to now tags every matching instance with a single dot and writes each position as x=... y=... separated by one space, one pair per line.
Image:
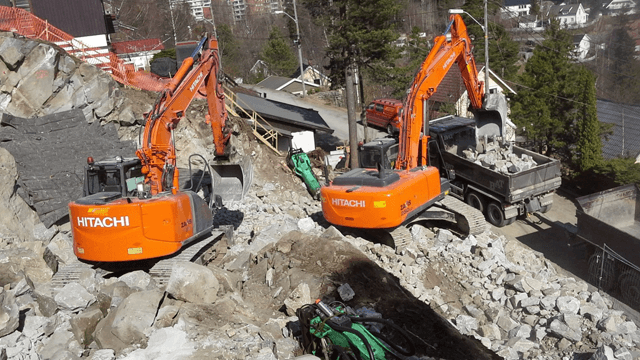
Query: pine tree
x=588 y=143
x=278 y=54
x=543 y=108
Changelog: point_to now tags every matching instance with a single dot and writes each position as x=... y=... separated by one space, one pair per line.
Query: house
x=621 y=6
x=288 y=120
x=570 y=15
x=625 y=140
x=582 y=44
x=281 y=83
x=138 y=52
x=200 y=9
x=83 y=19
x=311 y=74
x=516 y=8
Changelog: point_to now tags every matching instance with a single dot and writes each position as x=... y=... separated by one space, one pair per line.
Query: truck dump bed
x=612 y=218
x=456 y=134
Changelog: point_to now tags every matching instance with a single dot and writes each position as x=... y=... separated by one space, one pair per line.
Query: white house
x=138 y=52
x=312 y=75
x=582 y=45
x=620 y=4
x=516 y=8
x=571 y=15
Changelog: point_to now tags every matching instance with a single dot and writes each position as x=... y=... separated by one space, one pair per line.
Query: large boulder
x=8 y=313
x=193 y=283
x=17 y=219
x=134 y=315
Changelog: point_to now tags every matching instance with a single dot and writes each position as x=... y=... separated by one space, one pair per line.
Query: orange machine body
x=370 y=207
x=133 y=229
x=123 y=221
x=379 y=199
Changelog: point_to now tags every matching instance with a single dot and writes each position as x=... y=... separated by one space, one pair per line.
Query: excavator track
x=160 y=270
x=468 y=218
x=401 y=237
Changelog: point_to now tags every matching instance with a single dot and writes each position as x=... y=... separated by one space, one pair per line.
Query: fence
x=612 y=273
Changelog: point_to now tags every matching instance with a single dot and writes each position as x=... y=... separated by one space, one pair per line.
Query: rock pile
x=518 y=307
x=501 y=159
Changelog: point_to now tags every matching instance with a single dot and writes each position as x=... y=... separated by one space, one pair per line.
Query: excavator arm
x=158 y=153
x=454 y=46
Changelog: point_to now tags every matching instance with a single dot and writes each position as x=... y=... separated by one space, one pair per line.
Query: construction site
x=151 y=218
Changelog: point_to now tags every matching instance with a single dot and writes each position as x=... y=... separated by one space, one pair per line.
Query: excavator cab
x=111 y=179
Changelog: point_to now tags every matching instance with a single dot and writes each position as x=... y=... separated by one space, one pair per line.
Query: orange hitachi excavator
x=389 y=199
x=133 y=208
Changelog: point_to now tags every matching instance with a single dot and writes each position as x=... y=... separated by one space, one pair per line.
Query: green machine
x=338 y=333
x=301 y=165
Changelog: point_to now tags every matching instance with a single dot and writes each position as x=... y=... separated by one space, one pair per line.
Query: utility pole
x=295 y=20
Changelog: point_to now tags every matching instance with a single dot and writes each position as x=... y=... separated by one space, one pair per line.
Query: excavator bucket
x=231 y=180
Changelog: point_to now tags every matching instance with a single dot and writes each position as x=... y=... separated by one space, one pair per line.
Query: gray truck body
x=611 y=218
x=524 y=191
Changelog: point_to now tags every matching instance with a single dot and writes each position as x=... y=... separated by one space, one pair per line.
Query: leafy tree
x=359 y=31
x=399 y=77
x=361 y=34
x=229 y=50
x=503 y=51
x=278 y=54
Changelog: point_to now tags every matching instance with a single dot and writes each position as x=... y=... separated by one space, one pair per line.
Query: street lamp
x=485 y=29
x=295 y=20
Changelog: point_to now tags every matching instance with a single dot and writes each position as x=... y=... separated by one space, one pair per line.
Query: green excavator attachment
x=301 y=165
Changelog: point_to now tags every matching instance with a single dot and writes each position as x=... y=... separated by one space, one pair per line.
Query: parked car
x=384 y=113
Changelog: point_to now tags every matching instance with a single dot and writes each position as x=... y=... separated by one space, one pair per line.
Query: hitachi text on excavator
x=133 y=208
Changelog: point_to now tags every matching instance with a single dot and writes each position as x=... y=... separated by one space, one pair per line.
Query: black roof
x=625 y=140
x=294 y=116
x=75 y=17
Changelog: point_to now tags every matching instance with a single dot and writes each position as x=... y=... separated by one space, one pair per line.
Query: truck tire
x=495 y=215
x=602 y=271
x=630 y=287
x=476 y=200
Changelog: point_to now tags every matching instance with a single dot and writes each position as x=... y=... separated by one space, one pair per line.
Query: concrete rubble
x=500 y=158
x=239 y=302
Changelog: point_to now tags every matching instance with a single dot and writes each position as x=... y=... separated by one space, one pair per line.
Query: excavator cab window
x=391 y=156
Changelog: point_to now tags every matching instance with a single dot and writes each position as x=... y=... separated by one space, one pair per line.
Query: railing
x=260 y=127
x=28 y=25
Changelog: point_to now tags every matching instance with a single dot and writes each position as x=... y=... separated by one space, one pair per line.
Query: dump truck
x=609 y=221
x=503 y=190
